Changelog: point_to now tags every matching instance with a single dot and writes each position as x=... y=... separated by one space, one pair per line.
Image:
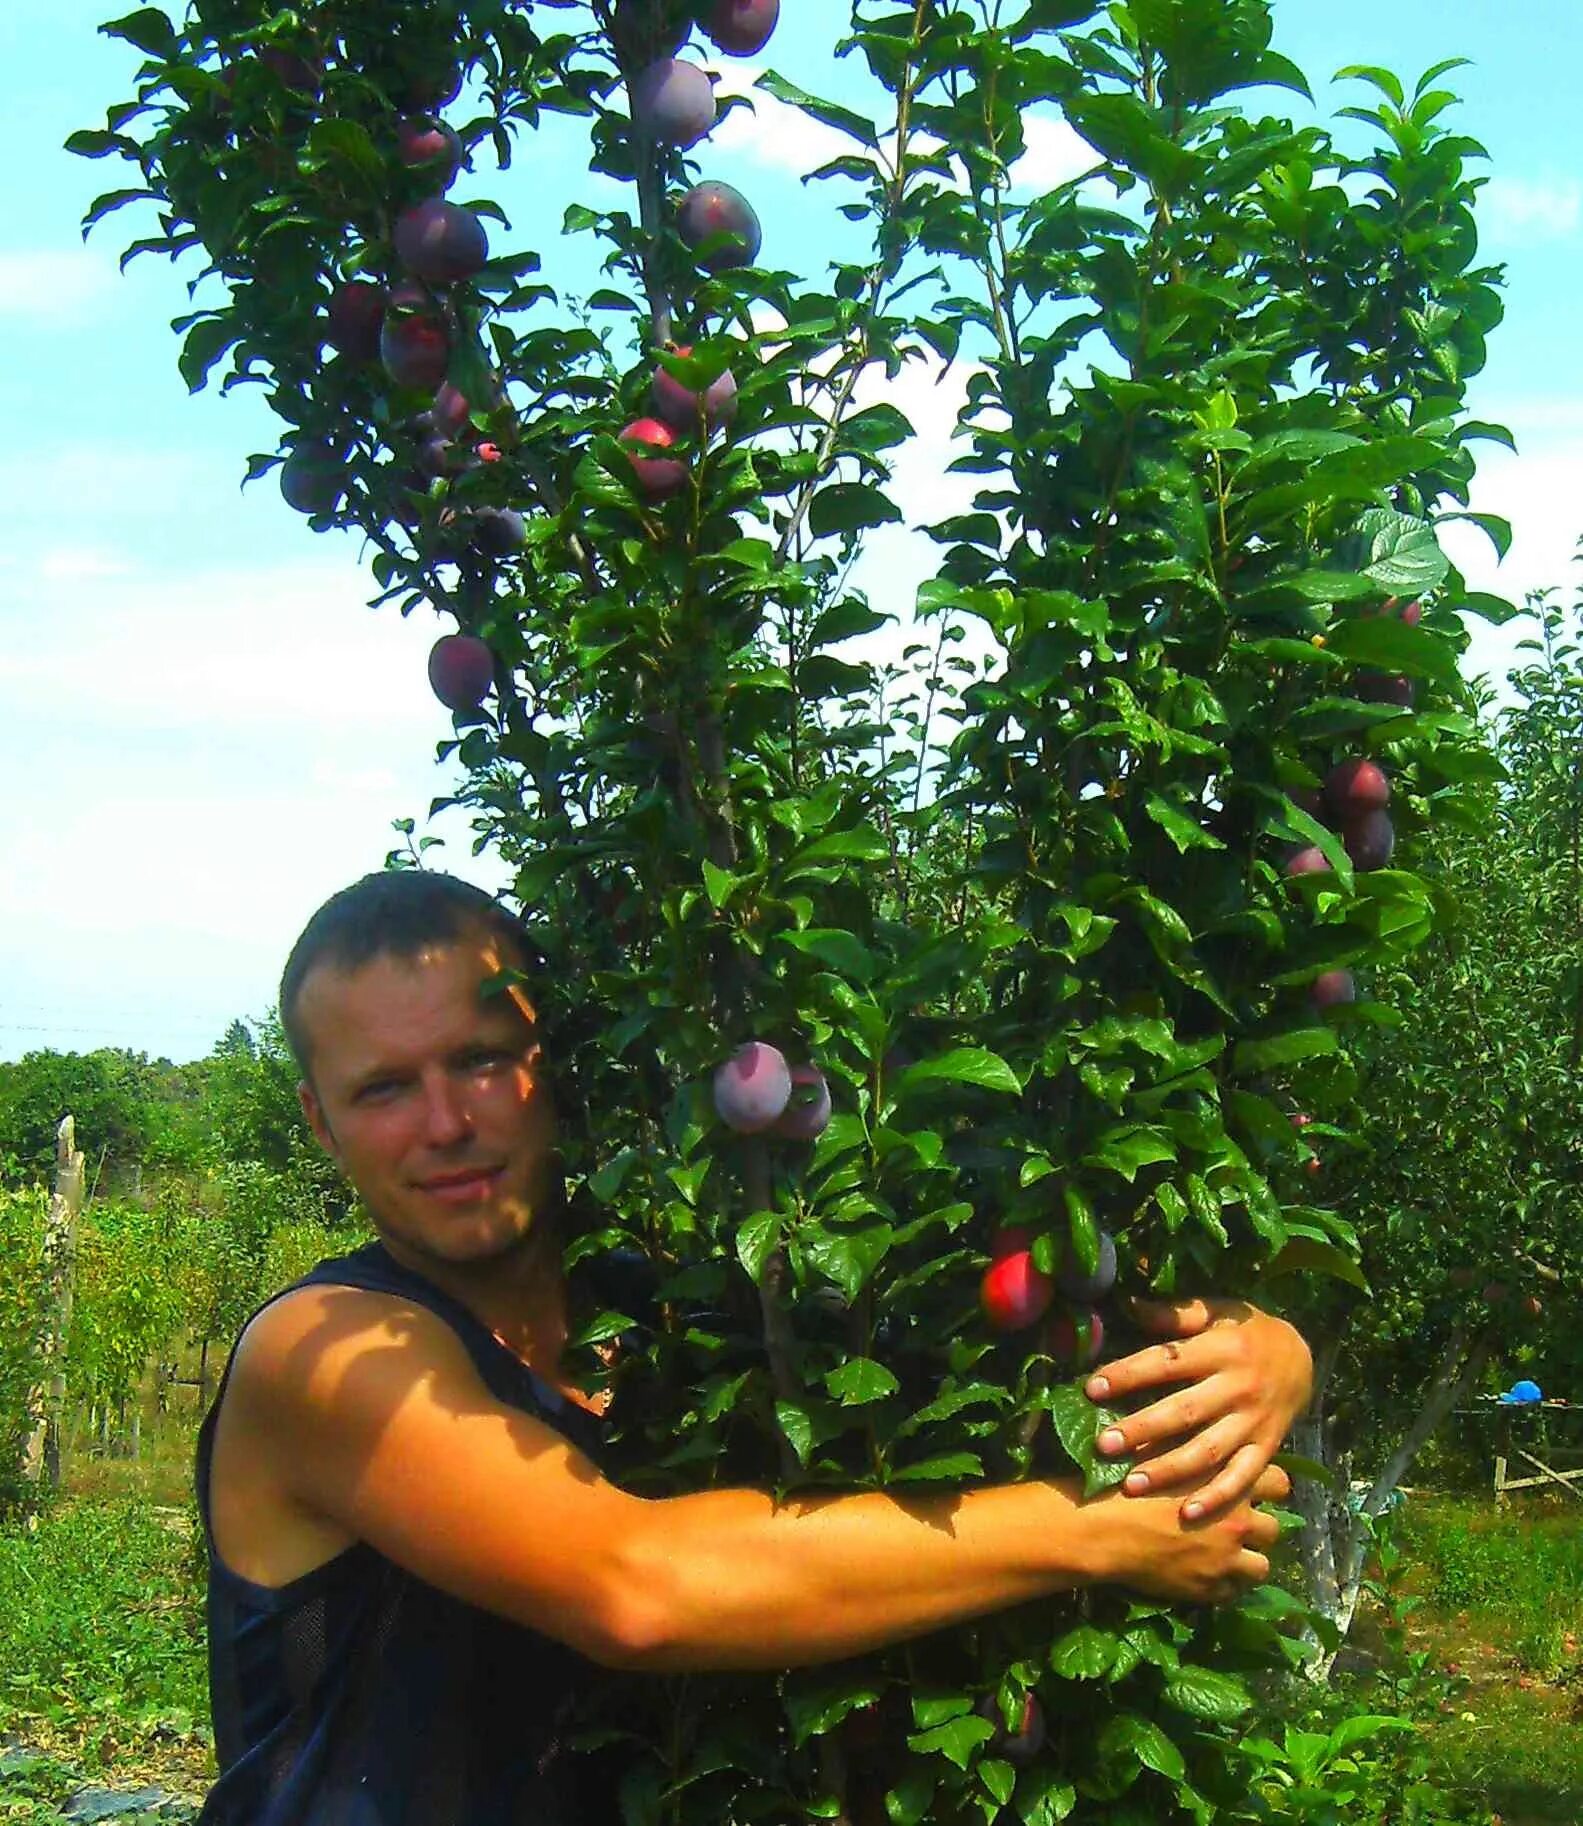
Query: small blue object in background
x=1525 y=1393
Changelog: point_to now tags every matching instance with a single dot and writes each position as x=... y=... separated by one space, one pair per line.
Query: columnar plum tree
x=835 y=1002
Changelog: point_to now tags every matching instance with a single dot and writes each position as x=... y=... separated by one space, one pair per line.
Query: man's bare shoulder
x=367 y=1419
x=331 y=1361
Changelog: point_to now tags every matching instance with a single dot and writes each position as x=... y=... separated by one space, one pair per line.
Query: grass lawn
x=1502 y=1603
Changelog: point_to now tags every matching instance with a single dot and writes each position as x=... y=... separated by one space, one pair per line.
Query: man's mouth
x=459 y=1188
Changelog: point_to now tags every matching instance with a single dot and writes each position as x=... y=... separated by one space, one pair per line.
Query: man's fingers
x=1155 y=1367
x=1181 y=1318
x=1184 y=1412
x=1240 y=1481
x=1254 y=1568
x=1273 y=1487
x=1263 y=1530
x=1200 y=1457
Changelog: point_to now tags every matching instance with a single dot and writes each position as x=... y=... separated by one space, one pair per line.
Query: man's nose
x=445 y=1111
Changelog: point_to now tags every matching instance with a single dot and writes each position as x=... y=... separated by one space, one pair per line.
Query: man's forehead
x=475 y=967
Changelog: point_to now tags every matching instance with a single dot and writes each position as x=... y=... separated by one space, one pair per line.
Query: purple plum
x=752 y=1088
x=673 y=102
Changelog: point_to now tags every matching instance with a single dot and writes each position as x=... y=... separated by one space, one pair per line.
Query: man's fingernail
x=1193 y=1511
x=1112 y=1440
x=1138 y=1482
x=1098 y=1388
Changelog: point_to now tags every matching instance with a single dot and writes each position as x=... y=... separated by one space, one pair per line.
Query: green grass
x=100 y=1620
x=1501 y=1601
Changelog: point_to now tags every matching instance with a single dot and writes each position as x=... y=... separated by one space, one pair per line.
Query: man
x=417 y=1568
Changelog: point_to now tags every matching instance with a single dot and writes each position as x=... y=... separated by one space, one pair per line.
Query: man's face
x=431 y=1098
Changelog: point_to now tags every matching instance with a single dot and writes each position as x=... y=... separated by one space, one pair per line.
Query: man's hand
x=1250 y=1376
x=1212 y=1560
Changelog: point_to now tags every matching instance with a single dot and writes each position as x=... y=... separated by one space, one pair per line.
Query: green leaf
x=1044 y=1797
x=1404 y=557
x=1207 y=1693
x=756 y=1241
x=908 y=1802
x=846 y=1256
x=816 y=1700
x=206 y=342
x=1186 y=833
x=998 y=1778
x=849 y=507
x=860 y=1380
x=861 y=845
x=1307 y=1255
x=1363 y=1725
x=96 y=144
x=1128 y=1737
x=718 y=884
x=957 y=1466
x=1252 y=1057
x=797 y=1426
x=965 y=1065
x=1078 y=1424
x=1128 y=1149
x=148 y=29
x=840 y=950
x=1084 y=1653
x=1499 y=531
x=957 y=1739
x=876 y=428
x=844 y=120
x=346 y=143
x=931 y=1708
x=1295 y=1465
x=1388 y=645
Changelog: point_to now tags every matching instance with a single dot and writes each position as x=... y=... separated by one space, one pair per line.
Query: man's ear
x=313 y=1114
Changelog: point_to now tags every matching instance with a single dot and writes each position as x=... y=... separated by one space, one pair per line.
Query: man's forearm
x=728 y=1579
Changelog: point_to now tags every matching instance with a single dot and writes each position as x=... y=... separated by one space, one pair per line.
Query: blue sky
x=203 y=728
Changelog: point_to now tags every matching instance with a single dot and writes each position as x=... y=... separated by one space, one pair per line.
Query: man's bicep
x=377 y=1420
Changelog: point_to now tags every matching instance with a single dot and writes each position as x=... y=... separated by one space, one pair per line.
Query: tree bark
x=1336 y=1542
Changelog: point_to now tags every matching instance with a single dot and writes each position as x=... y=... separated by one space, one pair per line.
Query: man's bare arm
x=372 y=1415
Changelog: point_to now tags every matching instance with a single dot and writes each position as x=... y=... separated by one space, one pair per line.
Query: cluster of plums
x=757 y=1092
x=1353 y=801
x=1016 y=1294
x=673 y=104
x=409 y=327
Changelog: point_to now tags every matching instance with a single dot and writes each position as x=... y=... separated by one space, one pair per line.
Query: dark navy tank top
x=359 y=1695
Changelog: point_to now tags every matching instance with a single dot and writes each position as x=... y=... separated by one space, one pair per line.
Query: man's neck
x=519 y=1296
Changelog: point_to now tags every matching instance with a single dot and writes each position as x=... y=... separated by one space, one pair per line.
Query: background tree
x=110 y=1092
x=1459 y=1158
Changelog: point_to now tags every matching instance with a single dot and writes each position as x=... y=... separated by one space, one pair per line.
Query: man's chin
x=486 y=1231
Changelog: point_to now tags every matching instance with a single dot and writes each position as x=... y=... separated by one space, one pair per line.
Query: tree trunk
x=41 y=1454
x=1336 y=1541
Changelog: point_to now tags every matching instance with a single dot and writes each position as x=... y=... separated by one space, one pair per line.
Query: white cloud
x=772 y=132
x=1541 y=494
x=289 y=648
x=1531 y=209
x=55 y=286
x=1056 y=153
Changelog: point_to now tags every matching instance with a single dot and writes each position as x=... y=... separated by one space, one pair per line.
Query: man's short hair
x=393 y=913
